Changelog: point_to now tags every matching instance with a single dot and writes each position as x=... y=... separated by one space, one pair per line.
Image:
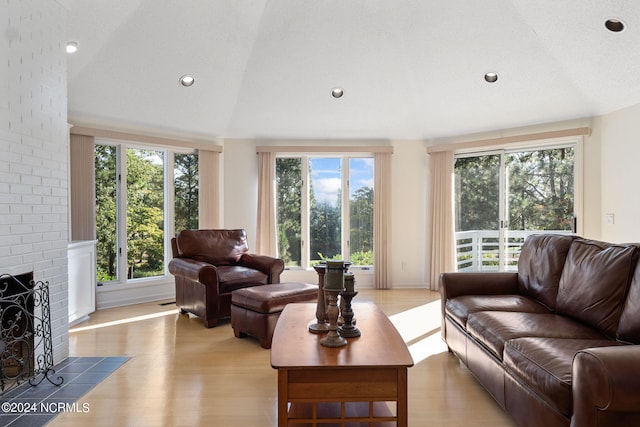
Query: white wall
x=240 y=187
x=409 y=266
x=592 y=188
x=621 y=175
x=34 y=147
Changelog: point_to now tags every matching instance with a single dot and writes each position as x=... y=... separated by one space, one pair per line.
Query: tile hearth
x=33 y=406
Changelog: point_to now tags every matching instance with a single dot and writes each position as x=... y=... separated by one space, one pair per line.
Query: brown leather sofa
x=210 y=264
x=555 y=343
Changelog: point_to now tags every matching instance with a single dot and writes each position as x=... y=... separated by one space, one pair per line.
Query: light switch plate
x=610 y=218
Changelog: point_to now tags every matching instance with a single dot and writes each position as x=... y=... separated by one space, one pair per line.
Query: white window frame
x=576 y=142
x=121 y=217
x=305 y=263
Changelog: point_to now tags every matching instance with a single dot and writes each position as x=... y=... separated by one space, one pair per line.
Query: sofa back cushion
x=540 y=266
x=629 y=327
x=594 y=283
x=217 y=247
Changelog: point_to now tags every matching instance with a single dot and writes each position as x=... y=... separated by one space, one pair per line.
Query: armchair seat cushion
x=235 y=277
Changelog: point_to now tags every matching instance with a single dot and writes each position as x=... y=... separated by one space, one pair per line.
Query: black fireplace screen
x=26 y=350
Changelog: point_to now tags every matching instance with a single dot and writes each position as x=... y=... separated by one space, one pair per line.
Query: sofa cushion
x=217 y=247
x=459 y=308
x=540 y=266
x=629 y=326
x=544 y=364
x=594 y=282
x=233 y=277
x=494 y=328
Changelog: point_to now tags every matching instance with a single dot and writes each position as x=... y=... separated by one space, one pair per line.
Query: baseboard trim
x=121 y=295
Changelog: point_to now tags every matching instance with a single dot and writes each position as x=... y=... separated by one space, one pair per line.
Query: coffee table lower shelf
x=343 y=414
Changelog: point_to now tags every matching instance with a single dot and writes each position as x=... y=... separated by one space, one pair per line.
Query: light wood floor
x=182 y=374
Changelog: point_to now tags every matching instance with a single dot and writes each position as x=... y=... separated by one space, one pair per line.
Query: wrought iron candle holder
x=320 y=326
x=333 y=339
x=349 y=287
x=333 y=285
x=348 y=330
x=321 y=323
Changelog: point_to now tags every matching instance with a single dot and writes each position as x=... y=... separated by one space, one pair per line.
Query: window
x=143 y=196
x=185 y=185
x=502 y=197
x=324 y=210
x=106 y=212
x=145 y=213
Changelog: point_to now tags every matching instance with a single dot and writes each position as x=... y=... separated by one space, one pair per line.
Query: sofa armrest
x=197 y=271
x=606 y=385
x=271 y=266
x=478 y=283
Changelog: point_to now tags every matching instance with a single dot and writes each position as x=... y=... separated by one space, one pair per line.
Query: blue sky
x=325 y=176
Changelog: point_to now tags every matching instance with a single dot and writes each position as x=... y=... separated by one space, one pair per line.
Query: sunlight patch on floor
x=427 y=347
x=122 y=321
x=420 y=329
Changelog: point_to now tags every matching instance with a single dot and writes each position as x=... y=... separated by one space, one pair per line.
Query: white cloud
x=327 y=189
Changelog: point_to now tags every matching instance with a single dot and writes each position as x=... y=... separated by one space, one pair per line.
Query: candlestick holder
x=320 y=326
x=333 y=339
x=348 y=330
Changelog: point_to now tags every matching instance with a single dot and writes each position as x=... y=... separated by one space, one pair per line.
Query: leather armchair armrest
x=198 y=271
x=606 y=385
x=478 y=283
x=271 y=266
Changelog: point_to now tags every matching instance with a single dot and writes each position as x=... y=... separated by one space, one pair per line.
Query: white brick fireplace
x=34 y=151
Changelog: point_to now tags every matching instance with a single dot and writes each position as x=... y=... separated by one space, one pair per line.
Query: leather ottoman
x=255 y=310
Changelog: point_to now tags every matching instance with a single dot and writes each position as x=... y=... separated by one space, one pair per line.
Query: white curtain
x=266 y=242
x=208 y=189
x=382 y=220
x=441 y=219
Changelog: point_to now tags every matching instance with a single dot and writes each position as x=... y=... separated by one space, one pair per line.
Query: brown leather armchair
x=209 y=264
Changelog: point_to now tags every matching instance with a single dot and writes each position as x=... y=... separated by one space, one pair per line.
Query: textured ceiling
x=409 y=68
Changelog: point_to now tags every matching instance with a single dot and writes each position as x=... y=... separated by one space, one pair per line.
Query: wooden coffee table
x=362 y=382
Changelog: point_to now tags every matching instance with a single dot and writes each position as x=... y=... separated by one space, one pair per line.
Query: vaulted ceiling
x=409 y=68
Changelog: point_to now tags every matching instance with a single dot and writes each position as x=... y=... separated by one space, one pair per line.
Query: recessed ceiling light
x=187 y=80
x=337 y=92
x=491 y=77
x=614 y=25
x=72 y=47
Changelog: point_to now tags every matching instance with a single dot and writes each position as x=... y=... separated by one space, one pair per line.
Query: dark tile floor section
x=32 y=406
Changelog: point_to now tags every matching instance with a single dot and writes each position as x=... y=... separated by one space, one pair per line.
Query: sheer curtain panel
x=382 y=220
x=266 y=227
x=442 y=248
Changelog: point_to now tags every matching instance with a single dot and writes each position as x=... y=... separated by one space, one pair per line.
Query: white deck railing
x=479 y=250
